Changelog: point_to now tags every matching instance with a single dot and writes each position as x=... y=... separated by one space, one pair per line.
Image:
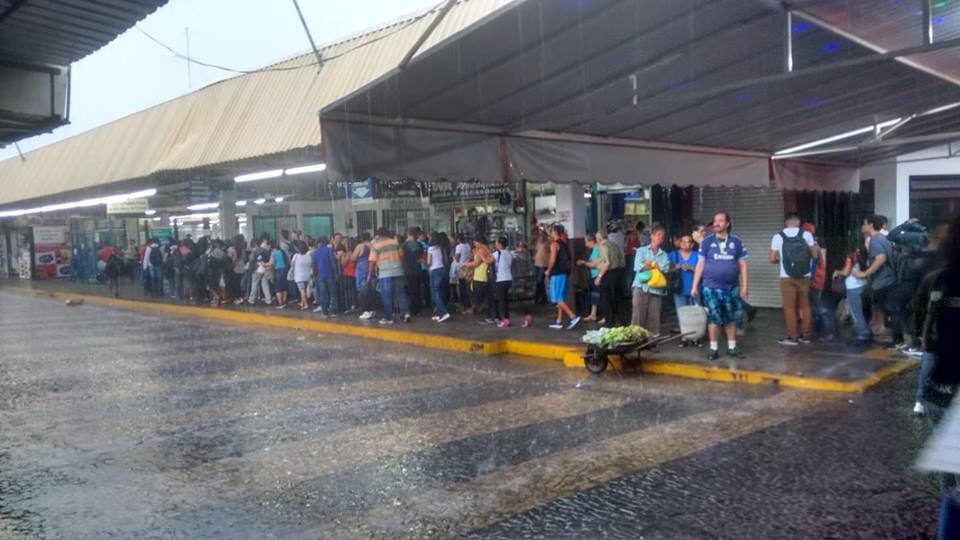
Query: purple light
x=813 y=103
x=938 y=20
x=802 y=27
x=833 y=46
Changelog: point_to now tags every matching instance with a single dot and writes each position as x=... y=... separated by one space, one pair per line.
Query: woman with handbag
x=650 y=283
x=853 y=287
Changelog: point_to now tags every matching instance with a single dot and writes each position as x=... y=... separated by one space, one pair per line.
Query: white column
x=228 y=213
x=572 y=209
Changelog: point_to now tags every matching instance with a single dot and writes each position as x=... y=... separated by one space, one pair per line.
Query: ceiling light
x=156 y=219
x=204 y=206
x=149 y=212
x=259 y=176
x=241 y=203
x=828 y=140
x=259 y=201
x=317 y=167
x=279 y=199
x=80 y=204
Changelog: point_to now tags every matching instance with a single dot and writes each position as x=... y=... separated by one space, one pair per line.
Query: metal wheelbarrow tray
x=597 y=358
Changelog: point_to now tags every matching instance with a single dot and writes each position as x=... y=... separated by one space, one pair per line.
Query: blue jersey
x=721 y=265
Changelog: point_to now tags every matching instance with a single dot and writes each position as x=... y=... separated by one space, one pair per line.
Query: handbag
x=839 y=286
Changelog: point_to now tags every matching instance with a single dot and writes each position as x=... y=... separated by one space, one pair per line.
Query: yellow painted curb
x=570 y=356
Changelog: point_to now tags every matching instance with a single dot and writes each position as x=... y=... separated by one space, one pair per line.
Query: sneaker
x=407 y=318
x=913 y=352
x=332 y=315
x=366 y=315
x=894 y=347
x=444 y=318
x=735 y=353
x=789 y=342
x=505 y=323
x=489 y=321
x=435 y=318
x=527 y=321
x=804 y=341
x=919 y=409
x=386 y=321
x=683 y=344
x=573 y=323
x=713 y=355
x=556 y=326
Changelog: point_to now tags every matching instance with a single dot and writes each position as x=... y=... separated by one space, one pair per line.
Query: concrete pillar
x=572 y=209
x=228 y=213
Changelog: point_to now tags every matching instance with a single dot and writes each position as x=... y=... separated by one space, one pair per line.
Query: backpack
x=200 y=266
x=156 y=257
x=168 y=265
x=796 y=255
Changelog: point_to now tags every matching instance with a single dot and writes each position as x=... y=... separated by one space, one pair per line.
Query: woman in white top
x=438 y=279
x=302 y=269
x=855 y=288
x=504 y=262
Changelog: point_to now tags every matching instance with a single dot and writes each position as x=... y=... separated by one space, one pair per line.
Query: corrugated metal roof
x=269 y=112
x=707 y=73
x=60 y=32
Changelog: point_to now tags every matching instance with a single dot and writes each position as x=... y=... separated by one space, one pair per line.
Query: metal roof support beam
x=426 y=33
x=788 y=43
x=306 y=29
x=927 y=23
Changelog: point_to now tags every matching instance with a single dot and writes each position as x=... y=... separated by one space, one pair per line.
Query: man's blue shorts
x=724 y=306
x=558 y=288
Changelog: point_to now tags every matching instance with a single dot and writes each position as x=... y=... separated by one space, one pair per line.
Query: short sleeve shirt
x=776 y=244
x=386 y=253
x=504 y=261
x=436 y=257
x=721 y=261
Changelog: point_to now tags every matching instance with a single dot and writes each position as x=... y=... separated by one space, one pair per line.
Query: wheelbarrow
x=597 y=358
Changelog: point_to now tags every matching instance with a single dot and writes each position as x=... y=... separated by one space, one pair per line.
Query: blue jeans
x=824 y=314
x=438 y=280
x=855 y=305
x=390 y=288
x=926 y=365
x=327 y=295
x=156 y=281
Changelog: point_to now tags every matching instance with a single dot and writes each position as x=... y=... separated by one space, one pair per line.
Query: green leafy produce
x=612 y=337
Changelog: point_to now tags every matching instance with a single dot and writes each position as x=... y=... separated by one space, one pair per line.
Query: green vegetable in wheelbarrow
x=612 y=337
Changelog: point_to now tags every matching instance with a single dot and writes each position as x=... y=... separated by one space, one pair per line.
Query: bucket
x=693 y=320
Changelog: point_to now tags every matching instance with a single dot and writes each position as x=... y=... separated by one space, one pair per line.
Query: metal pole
x=788 y=45
x=189 y=74
x=306 y=29
x=927 y=23
x=426 y=33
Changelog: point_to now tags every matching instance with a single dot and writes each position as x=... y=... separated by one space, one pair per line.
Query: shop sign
x=361 y=192
x=396 y=189
x=406 y=204
x=51 y=252
x=49 y=235
x=133 y=206
x=453 y=192
x=161 y=233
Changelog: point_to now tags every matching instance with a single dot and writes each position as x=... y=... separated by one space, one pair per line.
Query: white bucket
x=693 y=320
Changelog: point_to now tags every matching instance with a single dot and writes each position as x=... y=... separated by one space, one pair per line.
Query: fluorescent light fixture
x=828 y=140
x=275 y=173
x=149 y=212
x=241 y=203
x=204 y=206
x=195 y=216
x=317 y=167
x=941 y=109
x=279 y=199
x=156 y=219
x=259 y=201
x=80 y=204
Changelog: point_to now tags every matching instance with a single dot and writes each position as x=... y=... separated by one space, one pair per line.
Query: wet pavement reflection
x=122 y=424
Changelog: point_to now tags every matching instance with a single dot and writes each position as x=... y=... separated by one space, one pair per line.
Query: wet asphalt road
x=127 y=424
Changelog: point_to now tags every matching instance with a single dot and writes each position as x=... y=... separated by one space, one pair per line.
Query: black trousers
x=502 y=291
x=609 y=296
x=414 y=290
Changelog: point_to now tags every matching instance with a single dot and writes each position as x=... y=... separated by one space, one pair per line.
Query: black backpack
x=156 y=257
x=796 y=255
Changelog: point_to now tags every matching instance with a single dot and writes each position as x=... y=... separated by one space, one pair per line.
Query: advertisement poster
x=52 y=252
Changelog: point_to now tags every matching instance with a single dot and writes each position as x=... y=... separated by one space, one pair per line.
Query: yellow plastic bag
x=657 y=279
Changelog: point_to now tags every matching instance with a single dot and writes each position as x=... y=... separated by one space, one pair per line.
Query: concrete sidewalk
x=820 y=366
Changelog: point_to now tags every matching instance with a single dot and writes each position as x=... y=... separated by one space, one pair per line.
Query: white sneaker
x=919 y=409
x=444 y=318
x=318 y=309
x=366 y=315
x=435 y=318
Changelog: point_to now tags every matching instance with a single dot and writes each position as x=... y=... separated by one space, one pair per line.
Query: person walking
x=794 y=251
x=558 y=273
x=937 y=312
x=854 y=289
x=651 y=261
x=504 y=273
x=438 y=279
x=385 y=259
x=683 y=262
x=722 y=270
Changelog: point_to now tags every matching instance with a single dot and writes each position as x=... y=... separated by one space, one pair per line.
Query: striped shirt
x=386 y=253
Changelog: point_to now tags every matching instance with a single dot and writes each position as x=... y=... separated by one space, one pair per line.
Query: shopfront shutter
x=757 y=214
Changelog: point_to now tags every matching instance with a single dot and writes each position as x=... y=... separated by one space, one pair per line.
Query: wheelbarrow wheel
x=595 y=360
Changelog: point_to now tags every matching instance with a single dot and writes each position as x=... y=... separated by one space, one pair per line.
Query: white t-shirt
x=504 y=265
x=302 y=266
x=462 y=253
x=777 y=245
x=853 y=282
x=436 y=257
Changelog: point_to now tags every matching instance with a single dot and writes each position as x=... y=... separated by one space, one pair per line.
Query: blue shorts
x=723 y=305
x=558 y=288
